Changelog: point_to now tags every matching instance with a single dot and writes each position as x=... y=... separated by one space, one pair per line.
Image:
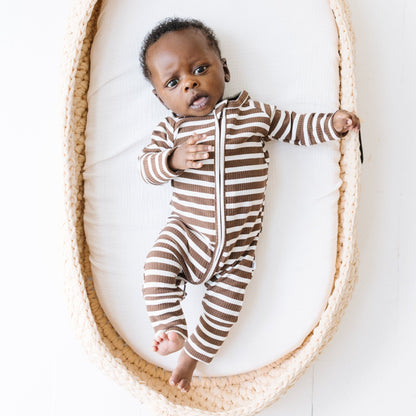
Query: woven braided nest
x=239 y=395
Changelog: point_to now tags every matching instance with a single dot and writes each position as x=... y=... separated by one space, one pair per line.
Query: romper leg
x=222 y=304
x=161 y=290
x=178 y=255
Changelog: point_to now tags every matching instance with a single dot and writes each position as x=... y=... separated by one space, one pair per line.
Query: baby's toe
x=173 y=381
x=184 y=385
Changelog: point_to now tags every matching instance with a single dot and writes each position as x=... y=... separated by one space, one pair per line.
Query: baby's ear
x=227 y=75
x=157 y=95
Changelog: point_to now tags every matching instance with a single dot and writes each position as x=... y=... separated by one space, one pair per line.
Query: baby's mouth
x=199 y=101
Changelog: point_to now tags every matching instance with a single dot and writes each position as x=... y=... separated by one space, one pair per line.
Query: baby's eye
x=201 y=69
x=172 y=83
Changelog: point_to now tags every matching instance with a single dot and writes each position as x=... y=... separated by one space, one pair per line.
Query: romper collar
x=232 y=102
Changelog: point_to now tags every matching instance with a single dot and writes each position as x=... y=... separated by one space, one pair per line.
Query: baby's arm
x=312 y=128
x=153 y=160
x=161 y=161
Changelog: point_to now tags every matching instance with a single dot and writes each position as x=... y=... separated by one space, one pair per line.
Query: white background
x=368 y=369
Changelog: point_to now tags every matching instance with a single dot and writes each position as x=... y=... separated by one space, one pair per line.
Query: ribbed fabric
x=217 y=211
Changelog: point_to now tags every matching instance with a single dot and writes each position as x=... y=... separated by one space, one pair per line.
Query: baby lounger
x=297 y=55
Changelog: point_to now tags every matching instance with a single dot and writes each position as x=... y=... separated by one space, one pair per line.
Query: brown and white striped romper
x=217 y=211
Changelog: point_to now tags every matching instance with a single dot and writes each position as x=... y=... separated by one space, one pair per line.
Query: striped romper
x=217 y=212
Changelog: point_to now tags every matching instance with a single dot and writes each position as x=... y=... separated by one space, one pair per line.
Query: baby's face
x=187 y=74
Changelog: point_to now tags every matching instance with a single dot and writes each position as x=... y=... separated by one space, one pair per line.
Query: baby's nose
x=190 y=84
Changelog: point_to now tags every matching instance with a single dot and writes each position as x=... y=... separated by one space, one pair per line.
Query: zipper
x=219 y=190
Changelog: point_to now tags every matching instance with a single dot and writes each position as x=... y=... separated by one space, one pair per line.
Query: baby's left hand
x=344 y=121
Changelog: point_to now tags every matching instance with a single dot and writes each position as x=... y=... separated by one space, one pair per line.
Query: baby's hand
x=189 y=154
x=345 y=121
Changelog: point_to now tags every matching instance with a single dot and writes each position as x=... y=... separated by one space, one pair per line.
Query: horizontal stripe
x=245 y=180
x=164 y=311
x=192 y=204
x=246 y=169
x=167 y=321
x=247 y=144
x=245 y=156
x=220 y=308
x=155 y=302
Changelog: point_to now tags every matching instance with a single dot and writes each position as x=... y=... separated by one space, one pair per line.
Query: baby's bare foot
x=182 y=374
x=168 y=342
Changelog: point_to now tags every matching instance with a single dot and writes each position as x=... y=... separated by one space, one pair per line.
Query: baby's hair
x=174 y=24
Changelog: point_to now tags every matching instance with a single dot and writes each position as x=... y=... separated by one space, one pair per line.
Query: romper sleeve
x=153 y=159
x=301 y=129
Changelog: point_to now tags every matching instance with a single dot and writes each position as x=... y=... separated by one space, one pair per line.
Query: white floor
x=368 y=368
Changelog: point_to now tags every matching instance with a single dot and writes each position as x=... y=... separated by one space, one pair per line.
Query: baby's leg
x=222 y=304
x=162 y=295
x=182 y=375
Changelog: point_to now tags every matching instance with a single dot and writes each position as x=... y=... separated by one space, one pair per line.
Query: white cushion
x=283 y=53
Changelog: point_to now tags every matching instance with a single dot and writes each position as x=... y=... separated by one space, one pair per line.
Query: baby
x=212 y=150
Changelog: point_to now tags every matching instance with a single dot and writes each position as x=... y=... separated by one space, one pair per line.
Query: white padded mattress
x=281 y=52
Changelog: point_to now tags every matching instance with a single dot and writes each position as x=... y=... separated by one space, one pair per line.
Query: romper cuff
x=165 y=158
x=155 y=169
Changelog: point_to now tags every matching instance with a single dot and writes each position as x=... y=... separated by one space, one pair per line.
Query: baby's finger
x=200 y=136
x=193 y=164
x=195 y=138
x=355 y=122
x=192 y=140
x=201 y=156
x=206 y=147
x=199 y=148
x=352 y=123
x=203 y=148
x=197 y=156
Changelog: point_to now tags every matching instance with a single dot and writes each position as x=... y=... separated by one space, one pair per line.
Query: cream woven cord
x=238 y=395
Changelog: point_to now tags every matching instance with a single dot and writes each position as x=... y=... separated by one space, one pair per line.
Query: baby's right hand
x=189 y=154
